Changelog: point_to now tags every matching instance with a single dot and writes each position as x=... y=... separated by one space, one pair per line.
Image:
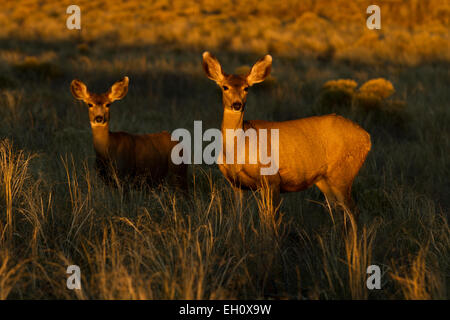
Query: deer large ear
x=118 y=89
x=79 y=90
x=260 y=70
x=212 y=67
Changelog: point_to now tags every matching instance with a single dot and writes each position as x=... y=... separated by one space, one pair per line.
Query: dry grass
x=412 y=31
x=217 y=244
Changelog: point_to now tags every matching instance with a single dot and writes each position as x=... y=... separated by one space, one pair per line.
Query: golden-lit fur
x=326 y=151
x=133 y=157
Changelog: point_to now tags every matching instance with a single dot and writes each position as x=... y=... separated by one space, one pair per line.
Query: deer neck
x=231 y=121
x=101 y=137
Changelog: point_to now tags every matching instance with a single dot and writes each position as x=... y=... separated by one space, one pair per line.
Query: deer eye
x=246 y=89
x=107 y=105
x=225 y=88
x=90 y=105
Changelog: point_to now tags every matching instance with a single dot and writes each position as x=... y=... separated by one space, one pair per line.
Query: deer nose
x=237 y=105
x=98 y=119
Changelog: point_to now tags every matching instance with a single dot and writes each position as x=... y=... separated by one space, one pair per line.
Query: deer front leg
x=270 y=196
x=238 y=196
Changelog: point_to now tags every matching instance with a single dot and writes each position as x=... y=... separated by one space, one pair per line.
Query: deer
x=326 y=151
x=130 y=158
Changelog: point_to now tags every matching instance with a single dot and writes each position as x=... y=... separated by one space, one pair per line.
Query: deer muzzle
x=237 y=106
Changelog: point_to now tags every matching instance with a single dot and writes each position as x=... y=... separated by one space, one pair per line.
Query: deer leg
x=327 y=191
x=238 y=194
x=342 y=193
x=341 y=181
x=270 y=197
x=276 y=199
x=339 y=197
x=341 y=186
x=181 y=179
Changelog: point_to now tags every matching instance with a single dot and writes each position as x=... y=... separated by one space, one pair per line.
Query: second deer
x=326 y=151
x=131 y=157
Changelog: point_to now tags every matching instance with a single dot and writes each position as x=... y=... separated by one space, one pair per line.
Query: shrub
x=380 y=87
x=367 y=101
x=337 y=93
x=372 y=95
x=347 y=85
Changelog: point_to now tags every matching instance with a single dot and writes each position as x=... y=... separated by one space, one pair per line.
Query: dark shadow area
x=401 y=190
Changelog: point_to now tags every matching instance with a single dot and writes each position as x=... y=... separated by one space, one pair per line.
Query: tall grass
x=14 y=174
x=217 y=243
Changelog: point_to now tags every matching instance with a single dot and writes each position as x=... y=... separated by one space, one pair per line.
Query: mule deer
x=326 y=151
x=130 y=156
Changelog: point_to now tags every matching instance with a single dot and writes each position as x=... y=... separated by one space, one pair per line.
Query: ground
x=153 y=244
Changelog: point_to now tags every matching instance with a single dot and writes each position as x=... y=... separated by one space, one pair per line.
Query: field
x=153 y=244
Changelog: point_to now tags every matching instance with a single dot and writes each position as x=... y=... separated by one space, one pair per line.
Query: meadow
x=152 y=244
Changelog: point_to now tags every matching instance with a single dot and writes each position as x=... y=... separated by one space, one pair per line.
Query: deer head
x=235 y=87
x=99 y=103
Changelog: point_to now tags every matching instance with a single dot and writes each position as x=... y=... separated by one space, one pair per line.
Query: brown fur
x=131 y=157
x=326 y=151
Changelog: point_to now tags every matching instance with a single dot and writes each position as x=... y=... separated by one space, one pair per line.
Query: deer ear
x=260 y=70
x=212 y=67
x=118 y=90
x=79 y=90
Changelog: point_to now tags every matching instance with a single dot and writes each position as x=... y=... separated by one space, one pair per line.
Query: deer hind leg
x=341 y=187
x=338 y=194
x=327 y=191
x=181 y=178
